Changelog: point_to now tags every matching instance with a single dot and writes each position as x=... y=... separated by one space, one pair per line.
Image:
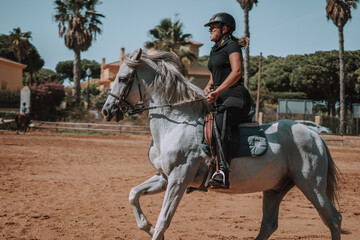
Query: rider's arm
x=234 y=76
x=209 y=84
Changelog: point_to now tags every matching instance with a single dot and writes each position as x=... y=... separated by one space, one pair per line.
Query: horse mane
x=169 y=82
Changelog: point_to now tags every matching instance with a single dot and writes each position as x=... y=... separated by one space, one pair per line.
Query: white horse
x=296 y=155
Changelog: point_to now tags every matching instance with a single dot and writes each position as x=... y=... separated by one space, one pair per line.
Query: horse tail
x=333 y=178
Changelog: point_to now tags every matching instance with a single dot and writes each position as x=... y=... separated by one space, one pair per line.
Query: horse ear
x=138 y=55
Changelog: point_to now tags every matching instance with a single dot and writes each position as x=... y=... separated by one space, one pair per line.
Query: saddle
x=247 y=140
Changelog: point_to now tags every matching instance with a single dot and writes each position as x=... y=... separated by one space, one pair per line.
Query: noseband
x=124 y=105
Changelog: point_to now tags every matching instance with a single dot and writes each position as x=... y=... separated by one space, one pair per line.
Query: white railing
x=95 y=127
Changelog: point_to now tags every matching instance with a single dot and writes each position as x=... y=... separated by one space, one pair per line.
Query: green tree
x=78 y=24
x=93 y=90
x=19 y=43
x=318 y=76
x=352 y=78
x=275 y=73
x=42 y=76
x=65 y=69
x=339 y=11
x=168 y=36
x=46 y=76
x=5 y=51
x=247 y=5
x=33 y=63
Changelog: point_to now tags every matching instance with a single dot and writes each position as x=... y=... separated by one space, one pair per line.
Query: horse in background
x=22 y=123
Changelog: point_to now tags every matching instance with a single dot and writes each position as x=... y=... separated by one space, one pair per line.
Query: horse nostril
x=105 y=113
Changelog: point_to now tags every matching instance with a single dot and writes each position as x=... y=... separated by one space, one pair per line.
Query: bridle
x=122 y=103
x=125 y=107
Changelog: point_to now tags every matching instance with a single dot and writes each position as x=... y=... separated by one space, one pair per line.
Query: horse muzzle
x=110 y=113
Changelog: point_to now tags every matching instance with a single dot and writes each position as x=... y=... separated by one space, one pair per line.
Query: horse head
x=123 y=97
x=158 y=76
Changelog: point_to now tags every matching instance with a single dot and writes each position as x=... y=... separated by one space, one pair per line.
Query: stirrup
x=215 y=183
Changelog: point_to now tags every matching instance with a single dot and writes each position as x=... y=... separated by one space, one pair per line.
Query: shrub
x=45 y=98
x=9 y=99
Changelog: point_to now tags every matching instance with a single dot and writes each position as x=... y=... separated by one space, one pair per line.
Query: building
x=197 y=74
x=109 y=71
x=11 y=74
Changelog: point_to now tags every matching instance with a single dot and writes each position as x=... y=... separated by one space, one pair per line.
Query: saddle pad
x=248 y=142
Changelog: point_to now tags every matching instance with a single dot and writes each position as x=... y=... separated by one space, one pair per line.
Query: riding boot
x=220 y=178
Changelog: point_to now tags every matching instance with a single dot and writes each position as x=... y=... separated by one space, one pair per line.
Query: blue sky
x=277 y=27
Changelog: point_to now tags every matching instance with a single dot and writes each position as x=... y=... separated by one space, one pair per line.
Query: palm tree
x=78 y=23
x=247 y=5
x=340 y=12
x=168 y=36
x=19 y=43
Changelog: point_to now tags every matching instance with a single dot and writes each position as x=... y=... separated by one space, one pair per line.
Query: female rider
x=225 y=88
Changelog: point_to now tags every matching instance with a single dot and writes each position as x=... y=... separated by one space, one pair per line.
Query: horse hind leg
x=271 y=203
x=326 y=209
x=155 y=184
x=316 y=185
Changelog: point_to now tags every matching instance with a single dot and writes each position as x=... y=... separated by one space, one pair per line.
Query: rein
x=126 y=107
x=142 y=109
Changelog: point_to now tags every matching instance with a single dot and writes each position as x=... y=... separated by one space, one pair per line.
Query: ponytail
x=243 y=42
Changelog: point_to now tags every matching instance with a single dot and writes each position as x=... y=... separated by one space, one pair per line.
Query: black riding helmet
x=223 y=18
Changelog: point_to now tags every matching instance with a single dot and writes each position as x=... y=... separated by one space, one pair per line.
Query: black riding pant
x=233 y=111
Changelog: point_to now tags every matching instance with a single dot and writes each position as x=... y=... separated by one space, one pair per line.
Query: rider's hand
x=212 y=96
x=207 y=89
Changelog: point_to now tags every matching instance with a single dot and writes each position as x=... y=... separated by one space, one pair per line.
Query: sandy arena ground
x=76 y=187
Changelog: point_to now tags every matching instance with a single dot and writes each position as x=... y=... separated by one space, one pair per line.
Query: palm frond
x=78 y=21
x=339 y=11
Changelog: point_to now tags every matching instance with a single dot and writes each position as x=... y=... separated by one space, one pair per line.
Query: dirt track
x=76 y=187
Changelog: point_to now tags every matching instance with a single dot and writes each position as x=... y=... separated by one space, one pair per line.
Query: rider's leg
x=235 y=112
x=221 y=178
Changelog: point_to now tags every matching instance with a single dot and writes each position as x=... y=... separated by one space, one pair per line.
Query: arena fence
x=90 y=127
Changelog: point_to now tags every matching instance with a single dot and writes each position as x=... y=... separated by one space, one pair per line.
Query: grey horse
x=296 y=155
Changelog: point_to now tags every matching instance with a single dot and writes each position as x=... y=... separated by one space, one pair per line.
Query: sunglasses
x=213 y=27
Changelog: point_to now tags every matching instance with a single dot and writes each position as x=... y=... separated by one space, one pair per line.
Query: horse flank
x=169 y=82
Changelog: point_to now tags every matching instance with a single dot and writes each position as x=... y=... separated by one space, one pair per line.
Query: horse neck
x=168 y=117
x=186 y=113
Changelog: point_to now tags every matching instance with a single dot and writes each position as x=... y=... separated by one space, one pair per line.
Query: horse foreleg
x=178 y=181
x=271 y=203
x=154 y=185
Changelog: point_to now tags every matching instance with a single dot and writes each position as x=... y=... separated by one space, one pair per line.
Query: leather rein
x=127 y=108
